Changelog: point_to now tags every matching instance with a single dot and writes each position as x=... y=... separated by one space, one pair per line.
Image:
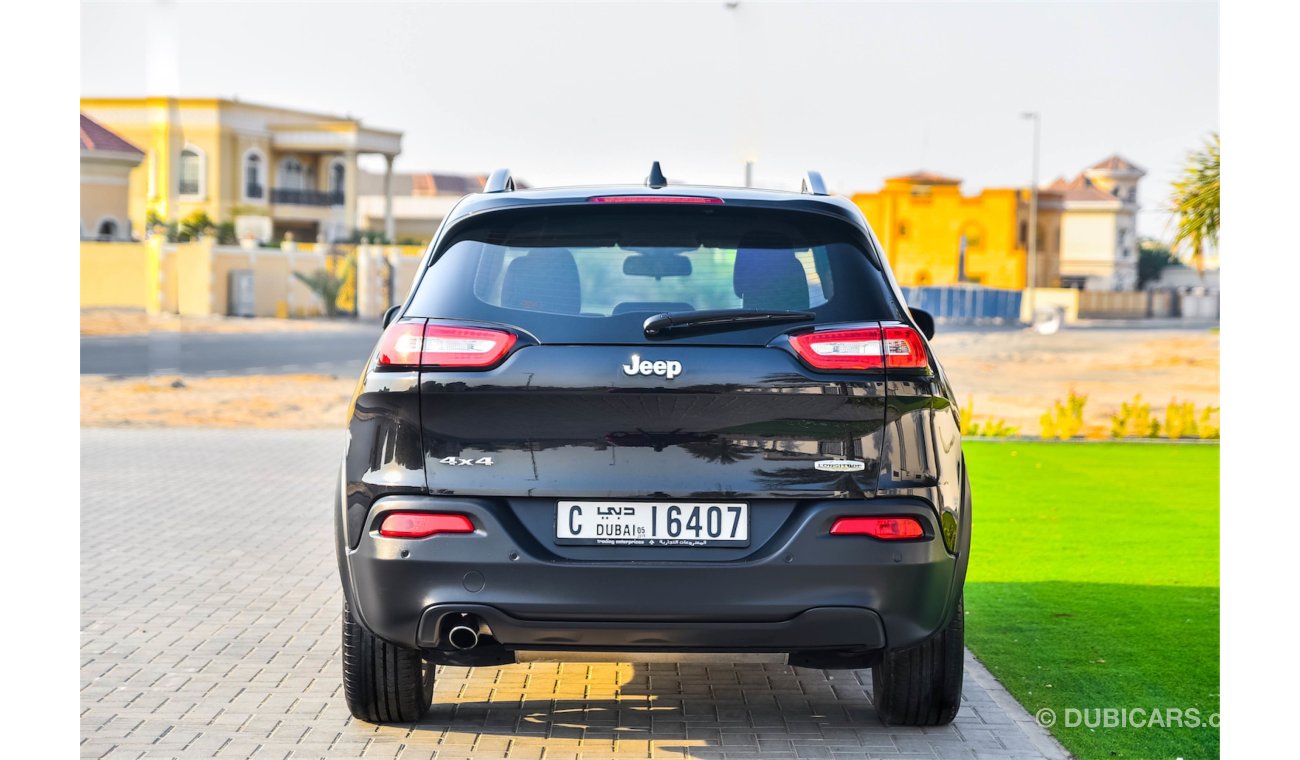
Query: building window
x=254 y=175
x=337 y=173
x=107 y=229
x=190 y=174
x=291 y=176
x=1024 y=234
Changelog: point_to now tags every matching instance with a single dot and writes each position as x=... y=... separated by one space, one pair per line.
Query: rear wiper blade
x=720 y=319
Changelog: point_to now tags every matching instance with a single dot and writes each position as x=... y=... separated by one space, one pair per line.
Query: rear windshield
x=594 y=274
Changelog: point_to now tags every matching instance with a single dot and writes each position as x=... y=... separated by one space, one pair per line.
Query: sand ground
x=1016 y=375
x=134 y=322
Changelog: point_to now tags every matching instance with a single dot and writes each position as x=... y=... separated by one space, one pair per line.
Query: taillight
x=904 y=348
x=415 y=344
x=883 y=528
x=423 y=524
x=653 y=199
x=862 y=348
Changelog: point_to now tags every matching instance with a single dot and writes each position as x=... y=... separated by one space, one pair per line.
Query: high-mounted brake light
x=883 y=528
x=653 y=199
x=415 y=344
x=423 y=524
x=864 y=348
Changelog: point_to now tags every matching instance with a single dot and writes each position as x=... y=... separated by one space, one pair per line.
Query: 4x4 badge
x=840 y=465
x=669 y=369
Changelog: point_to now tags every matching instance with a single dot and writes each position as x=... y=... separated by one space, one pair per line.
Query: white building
x=421 y=200
x=1099 y=245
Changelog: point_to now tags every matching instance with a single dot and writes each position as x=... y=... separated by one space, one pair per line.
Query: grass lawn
x=1094 y=583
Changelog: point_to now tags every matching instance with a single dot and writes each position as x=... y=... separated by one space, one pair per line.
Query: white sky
x=581 y=93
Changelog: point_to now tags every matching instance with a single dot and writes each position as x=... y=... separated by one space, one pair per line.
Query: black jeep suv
x=654 y=418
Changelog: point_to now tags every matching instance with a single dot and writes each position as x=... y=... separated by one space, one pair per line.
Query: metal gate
x=966 y=304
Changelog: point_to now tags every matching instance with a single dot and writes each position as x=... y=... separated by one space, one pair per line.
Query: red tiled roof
x=95 y=136
x=1080 y=189
x=929 y=178
x=1116 y=163
x=446 y=184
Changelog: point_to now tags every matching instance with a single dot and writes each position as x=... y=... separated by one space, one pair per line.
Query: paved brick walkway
x=210 y=610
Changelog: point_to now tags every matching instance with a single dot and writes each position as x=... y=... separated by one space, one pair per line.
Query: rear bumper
x=803 y=589
x=816 y=628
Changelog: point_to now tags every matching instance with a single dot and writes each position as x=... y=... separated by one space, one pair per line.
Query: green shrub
x=1134 y=420
x=1207 y=422
x=332 y=284
x=990 y=428
x=1064 y=420
x=195 y=225
x=1182 y=420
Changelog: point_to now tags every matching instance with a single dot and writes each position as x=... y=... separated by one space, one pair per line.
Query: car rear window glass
x=594 y=274
x=601 y=282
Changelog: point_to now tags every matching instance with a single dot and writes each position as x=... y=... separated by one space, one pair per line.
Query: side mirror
x=925 y=321
x=391 y=314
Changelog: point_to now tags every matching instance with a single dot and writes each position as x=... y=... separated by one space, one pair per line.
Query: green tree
x=1195 y=203
x=1153 y=257
x=194 y=225
x=329 y=283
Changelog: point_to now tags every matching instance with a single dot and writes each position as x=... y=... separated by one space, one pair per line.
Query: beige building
x=106 y=164
x=269 y=170
x=1099 y=245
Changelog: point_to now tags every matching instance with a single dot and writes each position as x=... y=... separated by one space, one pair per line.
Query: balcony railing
x=305 y=197
x=253 y=191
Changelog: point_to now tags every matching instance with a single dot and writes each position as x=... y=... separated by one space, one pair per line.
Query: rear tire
x=921 y=685
x=383 y=682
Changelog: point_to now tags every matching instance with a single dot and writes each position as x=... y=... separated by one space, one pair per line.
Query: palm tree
x=1195 y=203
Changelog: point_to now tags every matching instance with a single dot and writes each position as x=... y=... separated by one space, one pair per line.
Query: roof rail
x=813 y=184
x=656 y=179
x=499 y=181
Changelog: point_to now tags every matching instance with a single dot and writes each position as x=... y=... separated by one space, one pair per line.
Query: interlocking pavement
x=210 y=605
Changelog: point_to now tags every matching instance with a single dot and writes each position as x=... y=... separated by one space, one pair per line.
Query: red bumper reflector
x=423 y=524
x=884 y=528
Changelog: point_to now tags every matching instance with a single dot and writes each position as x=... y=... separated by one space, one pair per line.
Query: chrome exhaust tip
x=463 y=637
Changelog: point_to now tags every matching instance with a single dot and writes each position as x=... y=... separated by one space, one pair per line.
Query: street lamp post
x=1032 y=273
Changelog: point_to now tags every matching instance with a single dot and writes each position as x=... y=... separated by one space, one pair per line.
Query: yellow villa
x=935 y=235
x=269 y=170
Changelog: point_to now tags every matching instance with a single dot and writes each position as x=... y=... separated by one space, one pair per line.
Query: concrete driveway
x=210 y=605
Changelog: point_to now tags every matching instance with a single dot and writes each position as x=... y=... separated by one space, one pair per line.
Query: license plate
x=622 y=523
